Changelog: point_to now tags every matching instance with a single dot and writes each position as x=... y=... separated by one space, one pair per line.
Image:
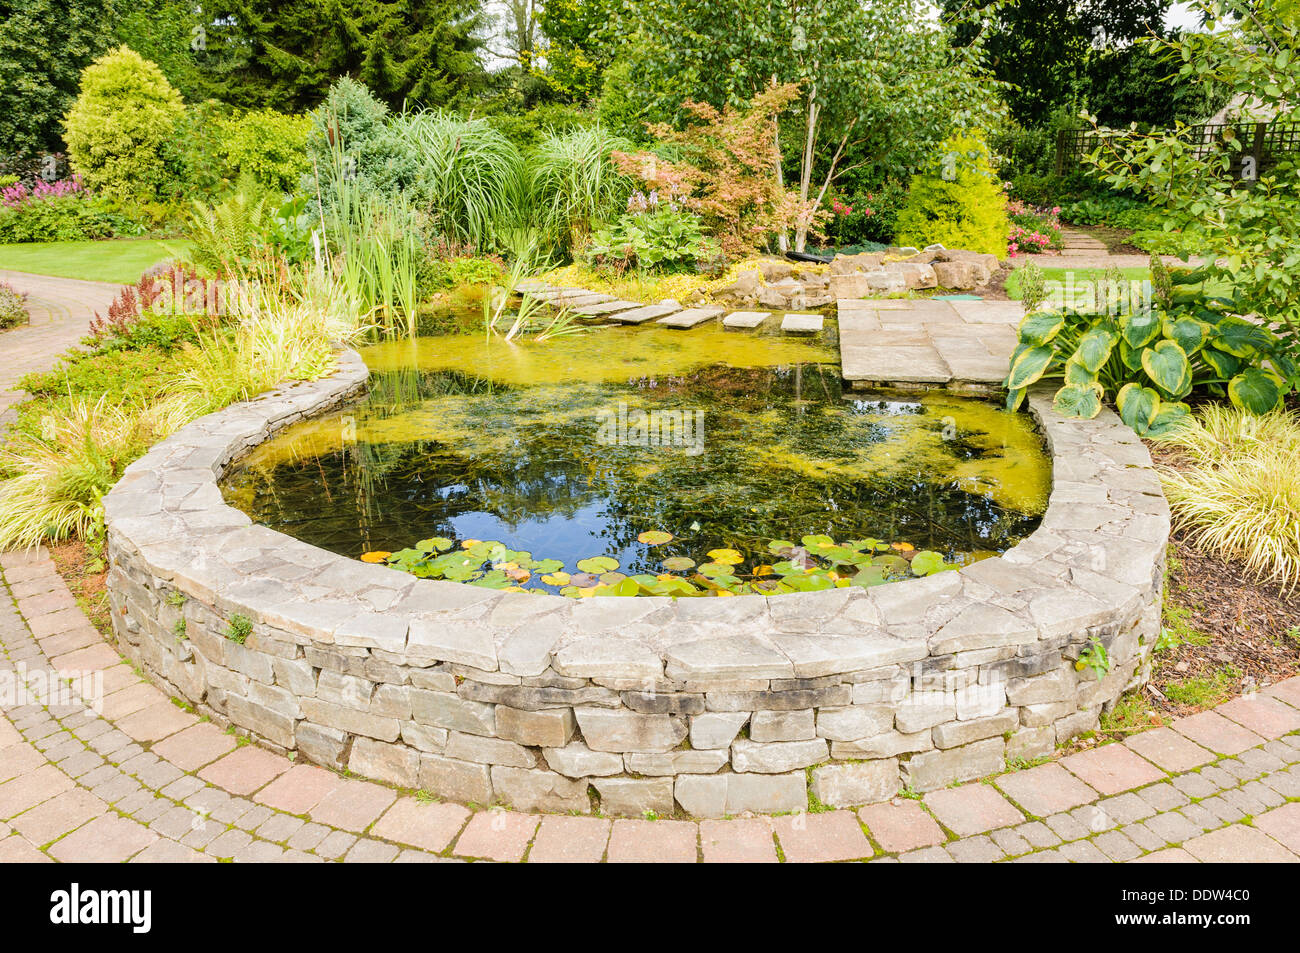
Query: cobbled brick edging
x=711 y=707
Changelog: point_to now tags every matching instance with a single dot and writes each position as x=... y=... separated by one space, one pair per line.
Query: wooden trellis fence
x=1262 y=144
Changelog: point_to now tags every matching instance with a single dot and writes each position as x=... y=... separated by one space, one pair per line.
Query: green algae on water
x=579 y=448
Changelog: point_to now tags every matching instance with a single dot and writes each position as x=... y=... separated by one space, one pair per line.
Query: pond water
x=705 y=461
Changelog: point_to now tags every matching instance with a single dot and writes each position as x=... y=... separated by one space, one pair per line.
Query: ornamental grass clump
x=58 y=476
x=1240 y=498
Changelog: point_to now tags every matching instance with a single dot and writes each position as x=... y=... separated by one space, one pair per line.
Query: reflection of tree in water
x=549 y=486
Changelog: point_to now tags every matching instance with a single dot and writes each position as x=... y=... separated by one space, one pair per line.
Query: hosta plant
x=1148 y=357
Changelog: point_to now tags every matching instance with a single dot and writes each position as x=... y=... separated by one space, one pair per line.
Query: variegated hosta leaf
x=1075 y=400
x=1028 y=364
x=1167 y=366
x=1255 y=390
x=1138 y=406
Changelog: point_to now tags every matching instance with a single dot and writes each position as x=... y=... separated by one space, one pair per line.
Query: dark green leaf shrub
x=64 y=218
x=664 y=238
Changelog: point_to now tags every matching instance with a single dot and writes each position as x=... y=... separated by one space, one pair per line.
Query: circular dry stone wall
x=705 y=706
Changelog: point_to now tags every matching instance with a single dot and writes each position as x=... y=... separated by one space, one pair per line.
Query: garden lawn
x=1080 y=275
x=119 y=260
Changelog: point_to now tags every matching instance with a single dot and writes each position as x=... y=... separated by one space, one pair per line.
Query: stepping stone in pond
x=641 y=315
x=745 y=319
x=571 y=301
x=690 y=317
x=552 y=294
x=801 y=323
x=609 y=307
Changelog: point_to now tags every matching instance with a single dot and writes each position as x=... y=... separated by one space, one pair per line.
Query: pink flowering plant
x=1033 y=229
x=61 y=210
x=18 y=194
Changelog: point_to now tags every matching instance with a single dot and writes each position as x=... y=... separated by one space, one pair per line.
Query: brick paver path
x=61 y=309
x=143 y=780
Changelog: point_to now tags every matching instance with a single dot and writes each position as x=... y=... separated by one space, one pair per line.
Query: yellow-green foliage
x=59 y=475
x=956 y=201
x=266 y=146
x=1241 y=498
x=117 y=127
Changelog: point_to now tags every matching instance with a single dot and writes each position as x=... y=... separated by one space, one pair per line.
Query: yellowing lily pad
x=598 y=564
x=678 y=563
x=728 y=557
x=654 y=537
x=378 y=556
x=556 y=579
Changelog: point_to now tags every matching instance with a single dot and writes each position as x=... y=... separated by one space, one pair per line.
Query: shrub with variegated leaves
x=1148 y=359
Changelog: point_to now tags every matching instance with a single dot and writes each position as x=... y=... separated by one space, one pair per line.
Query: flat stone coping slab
x=690 y=317
x=798 y=323
x=745 y=319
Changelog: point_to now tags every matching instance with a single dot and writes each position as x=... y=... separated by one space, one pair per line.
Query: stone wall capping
x=484 y=695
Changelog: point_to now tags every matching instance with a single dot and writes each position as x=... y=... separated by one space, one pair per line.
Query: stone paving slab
x=798 y=323
x=645 y=313
x=745 y=319
x=608 y=307
x=690 y=317
x=926 y=341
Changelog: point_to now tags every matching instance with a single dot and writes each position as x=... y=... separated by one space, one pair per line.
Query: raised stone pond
x=908 y=606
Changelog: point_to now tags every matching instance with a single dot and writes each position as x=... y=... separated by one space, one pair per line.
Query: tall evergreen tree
x=285 y=55
x=44 y=46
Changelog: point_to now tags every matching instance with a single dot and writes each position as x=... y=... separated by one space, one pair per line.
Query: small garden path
x=61 y=310
x=140 y=779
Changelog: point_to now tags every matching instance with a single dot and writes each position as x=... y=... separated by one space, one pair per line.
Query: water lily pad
x=435 y=544
x=678 y=563
x=556 y=579
x=763 y=569
x=716 y=569
x=624 y=587
x=548 y=565
x=612 y=578
x=817 y=541
x=492 y=580
x=584 y=580
x=779 y=547
x=869 y=576
x=598 y=564
x=654 y=537
x=728 y=557
x=891 y=563
x=927 y=562
x=903 y=547
x=377 y=556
